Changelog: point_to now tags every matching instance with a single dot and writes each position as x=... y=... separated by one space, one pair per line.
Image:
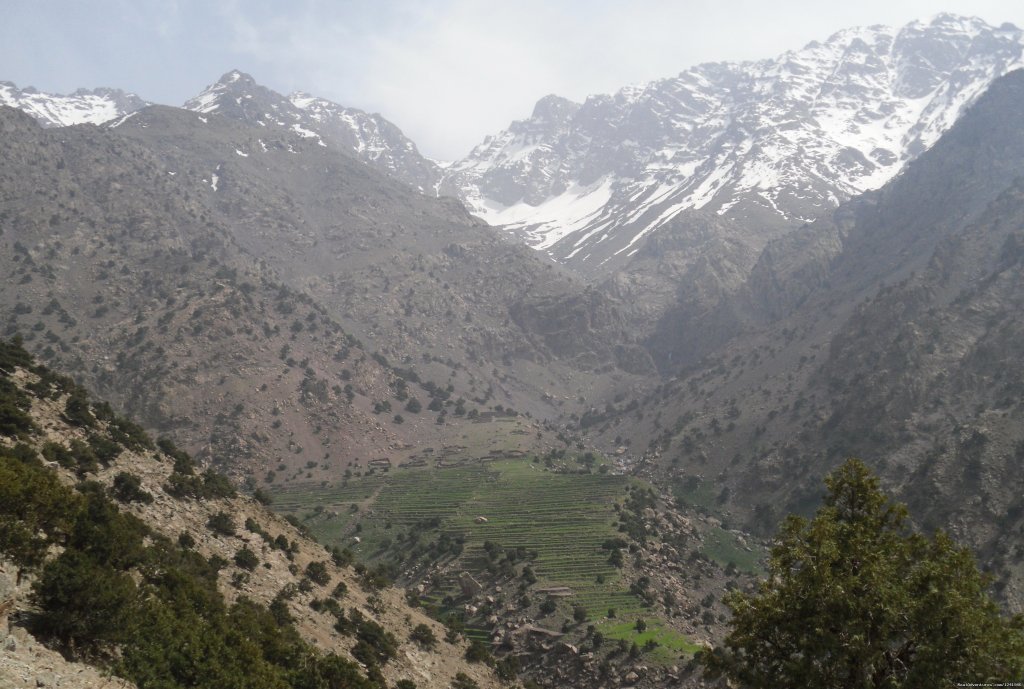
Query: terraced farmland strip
x=563 y=518
x=297 y=498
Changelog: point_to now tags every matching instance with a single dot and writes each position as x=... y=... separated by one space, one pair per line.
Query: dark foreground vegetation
x=855 y=598
x=120 y=595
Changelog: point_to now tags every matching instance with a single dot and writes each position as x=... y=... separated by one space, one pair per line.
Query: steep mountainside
x=769 y=143
x=152 y=303
x=895 y=338
x=416 y=278
x=55 y=110
x=165 y=577
x=371 y=138
x=175 y=249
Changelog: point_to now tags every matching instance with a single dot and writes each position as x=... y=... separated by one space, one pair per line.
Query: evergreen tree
x=854 y=598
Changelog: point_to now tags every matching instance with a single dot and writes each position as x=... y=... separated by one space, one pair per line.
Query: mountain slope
x=165 y=576
x=895 y=339
x=123 y=277
x=83 y=106
x=416 y=278
x=177 y=250
x=769 y=143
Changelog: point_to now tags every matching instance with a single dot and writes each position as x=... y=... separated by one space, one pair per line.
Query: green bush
x=15 y=421
x=128 y=488
x=374 y=645
x=423 y=635
x=246 y=559
x=105 y=449
x=35 y=508
x=76 y=409
x=222 y=524
x=130 y=434
x=83 y=602
x=479 y=653
x=464 y=681
x=210 y=485
x=317 y=573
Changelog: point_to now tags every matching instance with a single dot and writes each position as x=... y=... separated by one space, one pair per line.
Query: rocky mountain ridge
x=369 y=137
x=770 y=144
x=767 y=144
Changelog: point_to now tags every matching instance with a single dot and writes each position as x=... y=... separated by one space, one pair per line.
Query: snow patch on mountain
x=81 y=107
x=777 y=141
x=579 y=202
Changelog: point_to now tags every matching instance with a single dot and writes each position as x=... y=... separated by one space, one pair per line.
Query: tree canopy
x=856 y=598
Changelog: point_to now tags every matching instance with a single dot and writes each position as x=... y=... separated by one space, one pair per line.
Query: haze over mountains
x=773 y=143
x=724 y=282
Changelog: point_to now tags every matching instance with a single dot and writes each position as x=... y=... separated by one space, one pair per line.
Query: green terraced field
x=671 y=644
x=564 y=518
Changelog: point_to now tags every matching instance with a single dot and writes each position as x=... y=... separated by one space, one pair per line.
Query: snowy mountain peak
x=92 y=106
x=372 y=138
x=234 y=84
x=554 y=108
x=775 y=142
x=236 y=75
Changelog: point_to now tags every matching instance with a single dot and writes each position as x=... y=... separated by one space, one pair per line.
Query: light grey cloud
x=447 y=71
x=450 y=72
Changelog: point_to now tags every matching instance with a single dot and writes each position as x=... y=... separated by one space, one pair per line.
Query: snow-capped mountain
x=83 y=106
x=371 y=138
x=769 y=142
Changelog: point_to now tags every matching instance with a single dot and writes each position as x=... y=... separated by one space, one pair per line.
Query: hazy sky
x=447 y=72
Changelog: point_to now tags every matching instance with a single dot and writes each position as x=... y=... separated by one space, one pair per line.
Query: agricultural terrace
x=563 y=518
